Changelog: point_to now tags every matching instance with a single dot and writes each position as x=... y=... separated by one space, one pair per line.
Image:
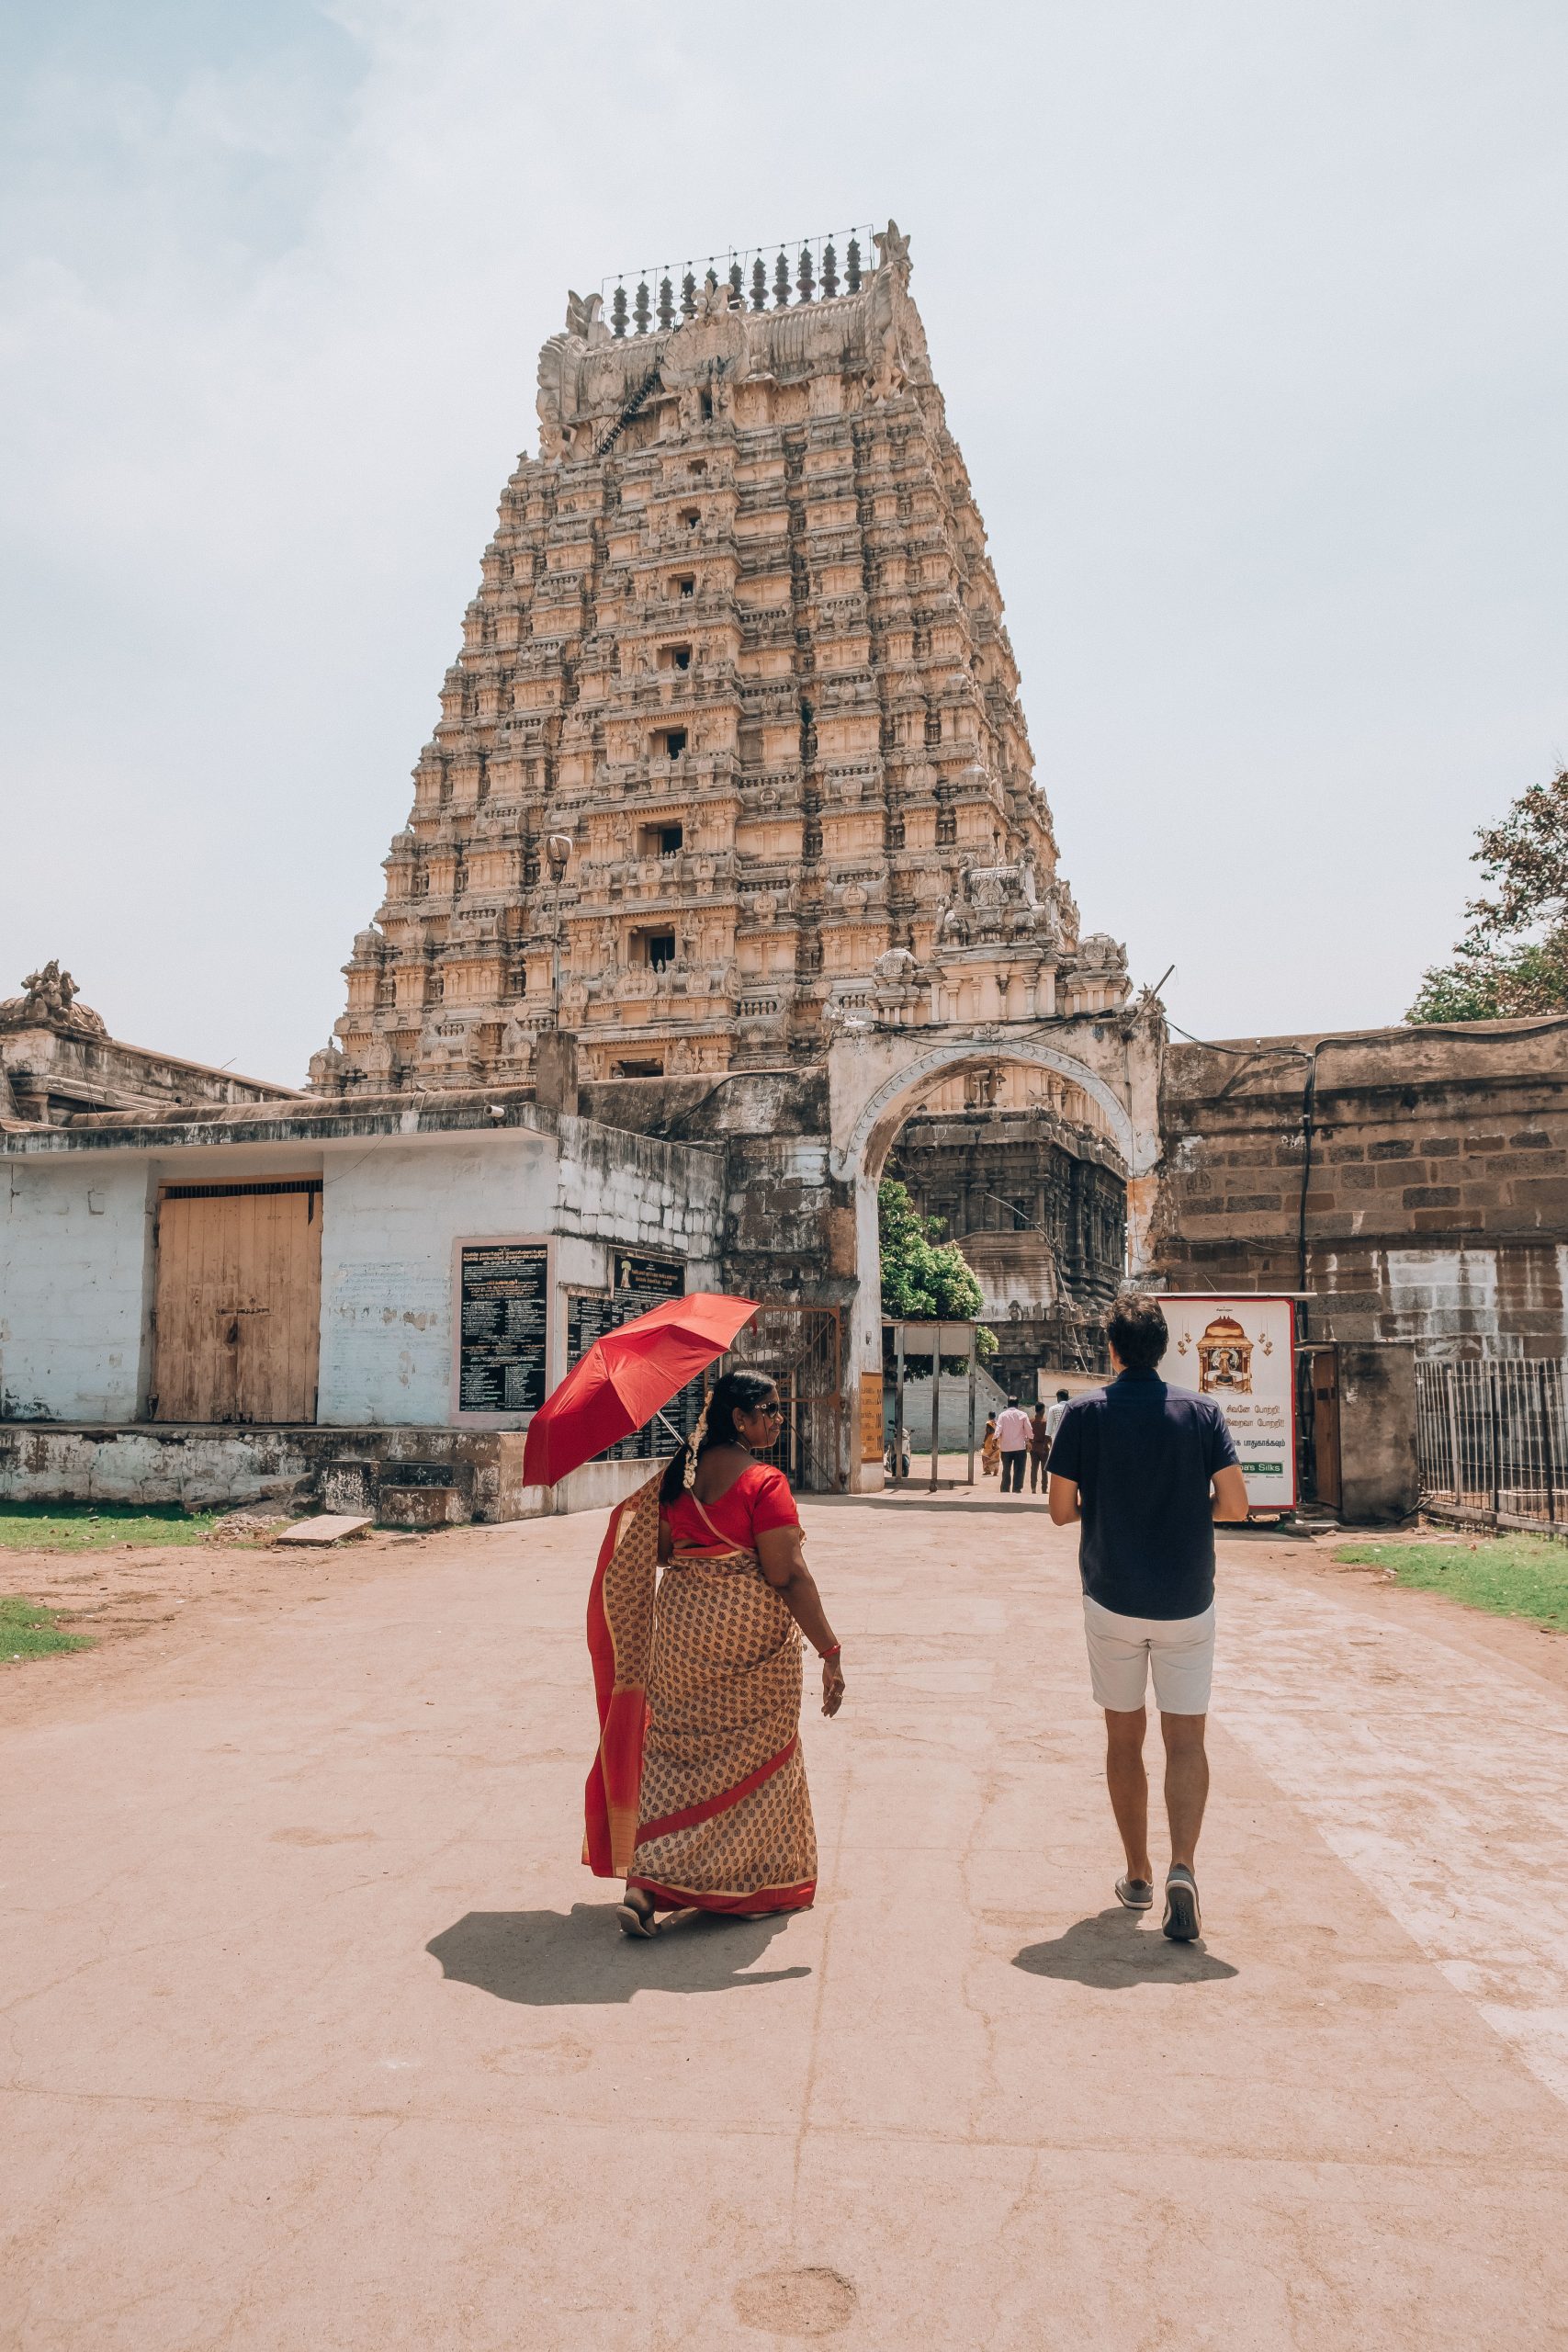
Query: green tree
x=925 y=1279
x=1513 y=958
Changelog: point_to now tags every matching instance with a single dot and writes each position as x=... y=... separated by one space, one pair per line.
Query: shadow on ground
x=580 y=1958
x=1112 y=1950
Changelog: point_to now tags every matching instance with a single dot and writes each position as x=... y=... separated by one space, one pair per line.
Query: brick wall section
x=1437 y=1197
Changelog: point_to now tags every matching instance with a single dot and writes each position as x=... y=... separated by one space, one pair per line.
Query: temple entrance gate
x=877 y=1079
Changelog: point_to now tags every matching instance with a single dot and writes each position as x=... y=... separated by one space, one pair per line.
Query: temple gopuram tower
x=733 y=749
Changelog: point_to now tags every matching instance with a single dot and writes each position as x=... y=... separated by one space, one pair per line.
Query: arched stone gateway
x=877 y=1079
x=867 y=1112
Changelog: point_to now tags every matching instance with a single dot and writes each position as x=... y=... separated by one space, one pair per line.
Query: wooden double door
x=237 y=1302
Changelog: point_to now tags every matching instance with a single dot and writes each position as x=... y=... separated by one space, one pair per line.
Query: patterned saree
x=699 y=1793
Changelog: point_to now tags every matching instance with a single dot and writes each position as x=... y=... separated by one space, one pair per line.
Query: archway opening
x=1018 y=1166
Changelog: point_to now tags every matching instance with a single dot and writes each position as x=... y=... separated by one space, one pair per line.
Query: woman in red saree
x=698 y=1796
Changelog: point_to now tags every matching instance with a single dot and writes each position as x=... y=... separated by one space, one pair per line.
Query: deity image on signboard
x=1224 y=1359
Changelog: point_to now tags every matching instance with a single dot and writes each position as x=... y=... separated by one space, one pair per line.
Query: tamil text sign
x=1241 y=1353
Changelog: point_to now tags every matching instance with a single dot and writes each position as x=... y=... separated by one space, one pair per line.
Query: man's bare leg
x=1186 y=1783
x=1129 y=1786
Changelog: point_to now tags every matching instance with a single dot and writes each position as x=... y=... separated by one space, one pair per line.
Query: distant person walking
x=990 y=1451
x=1053 y=1423
x=1039 y=1447
x=1012 y=1436
x=1147 y=1470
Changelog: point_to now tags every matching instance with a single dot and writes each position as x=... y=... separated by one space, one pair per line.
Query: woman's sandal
x=634 y=1921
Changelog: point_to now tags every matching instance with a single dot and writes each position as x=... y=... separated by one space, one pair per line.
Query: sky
x=1250 y=324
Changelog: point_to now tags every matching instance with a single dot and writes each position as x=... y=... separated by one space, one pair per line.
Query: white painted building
x=318 y=1254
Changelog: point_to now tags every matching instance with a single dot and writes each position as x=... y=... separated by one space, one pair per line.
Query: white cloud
x=1249 y=322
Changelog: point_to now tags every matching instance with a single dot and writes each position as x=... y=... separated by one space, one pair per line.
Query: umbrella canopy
x=626 y=1377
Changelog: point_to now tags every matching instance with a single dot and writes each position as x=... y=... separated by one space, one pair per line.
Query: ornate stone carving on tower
x=732 y=755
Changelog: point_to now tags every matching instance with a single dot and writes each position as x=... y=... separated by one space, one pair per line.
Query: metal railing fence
x=1492 y=1442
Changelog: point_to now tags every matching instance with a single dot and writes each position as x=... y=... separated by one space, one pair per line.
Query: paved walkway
x=317 y=2037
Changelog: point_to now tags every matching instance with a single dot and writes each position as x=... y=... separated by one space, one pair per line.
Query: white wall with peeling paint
x=76 y=1266
x=389 y=1220
x=77 y=1257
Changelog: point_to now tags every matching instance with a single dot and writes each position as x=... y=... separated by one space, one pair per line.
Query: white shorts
x=1122 y=1650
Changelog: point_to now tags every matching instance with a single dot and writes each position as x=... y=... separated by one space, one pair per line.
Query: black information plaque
x=641 y=1282
x=589 y=1314
x=504 y=1305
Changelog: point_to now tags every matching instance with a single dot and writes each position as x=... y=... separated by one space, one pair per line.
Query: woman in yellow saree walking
x=698 y=1794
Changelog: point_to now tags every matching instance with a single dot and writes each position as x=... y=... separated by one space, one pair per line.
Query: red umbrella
x=626 y=1377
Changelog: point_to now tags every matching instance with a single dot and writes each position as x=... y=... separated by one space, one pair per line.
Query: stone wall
x=788 y=1225
x=1415 y=1180
x=368 y=1470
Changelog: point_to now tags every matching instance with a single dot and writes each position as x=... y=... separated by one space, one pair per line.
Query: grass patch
x=28 y=1631
x=92 y=1527
x=1513 y=1575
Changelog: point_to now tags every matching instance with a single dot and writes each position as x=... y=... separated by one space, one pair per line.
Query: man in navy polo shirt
x=1147 y=1470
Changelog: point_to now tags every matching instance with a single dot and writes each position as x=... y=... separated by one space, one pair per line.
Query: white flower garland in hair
x=689 y=1475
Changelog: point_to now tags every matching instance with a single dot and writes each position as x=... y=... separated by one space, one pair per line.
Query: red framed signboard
x=1240 y=1351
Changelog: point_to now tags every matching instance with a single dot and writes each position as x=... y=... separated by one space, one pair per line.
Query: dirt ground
x=129 y=1591
x=139 y=1601
x=316 y=2033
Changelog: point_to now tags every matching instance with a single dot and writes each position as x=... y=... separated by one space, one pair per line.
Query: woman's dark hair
x=733 y=1392
x=1136 y=1328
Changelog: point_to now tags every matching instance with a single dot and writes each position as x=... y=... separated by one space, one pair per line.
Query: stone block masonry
x=1415 y=1180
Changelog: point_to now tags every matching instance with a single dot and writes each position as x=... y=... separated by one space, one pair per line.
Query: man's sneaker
x=1136 y=1893
x=1182 y=1922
